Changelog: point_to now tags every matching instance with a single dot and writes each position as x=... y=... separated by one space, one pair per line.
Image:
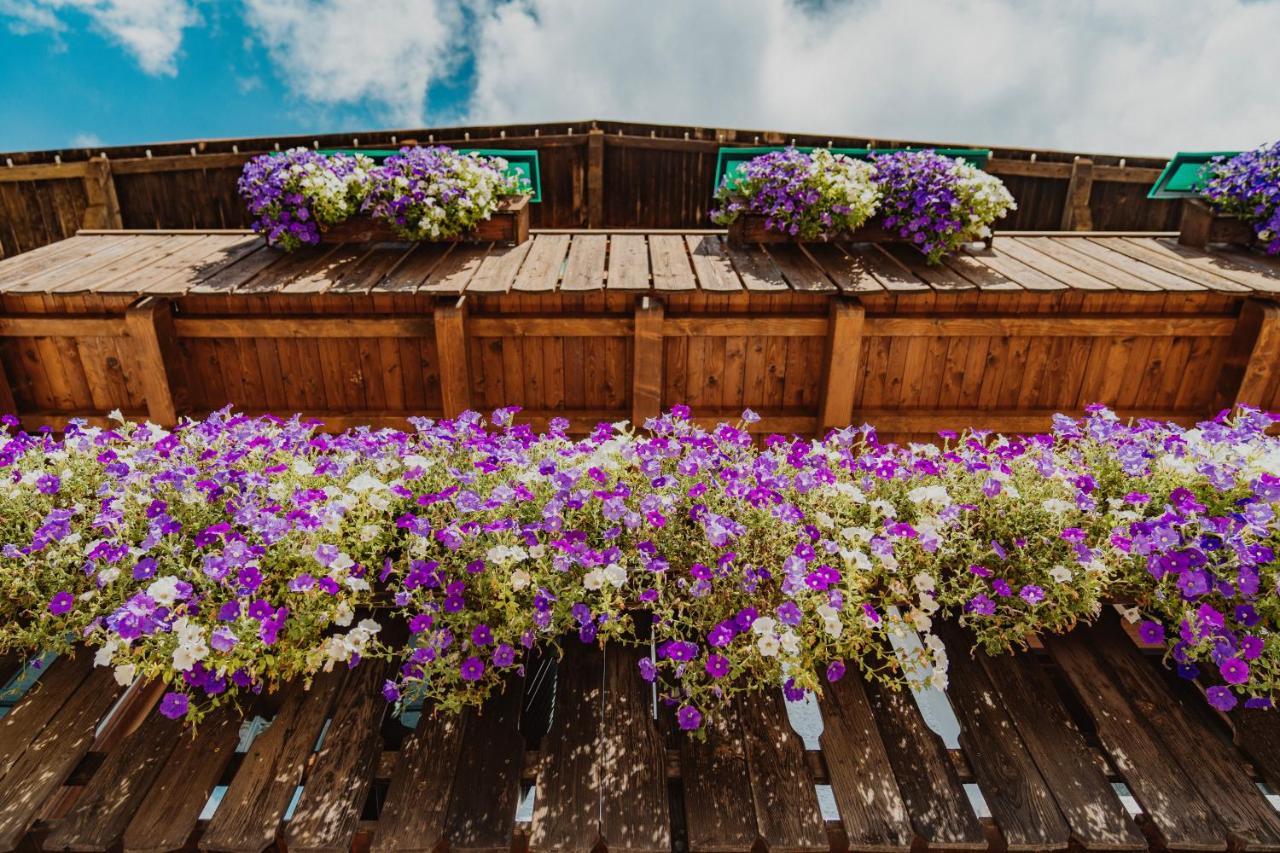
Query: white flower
x=342 y=562
x=415 y=460
x=502 y=555
x=106 y=652
x=125 y=673
x=768 y=645
x=593 y=579
x=302 y=467
x=369 y=532
x=615 y=574
x=519 y=579
x=164 y=591
x=924 y=582
x=365 y=483
x=1057 y=505
x=344 y=615
x=938 y=679
x=764 y=625
x=790 y=642
x=1060 y=573
x=936 y=495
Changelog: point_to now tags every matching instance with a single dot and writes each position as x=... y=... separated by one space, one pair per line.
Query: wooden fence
x=594 y=174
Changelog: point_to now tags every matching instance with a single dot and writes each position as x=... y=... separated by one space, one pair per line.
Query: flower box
x=509 y=224
x=749 y=228
x=1202 y=225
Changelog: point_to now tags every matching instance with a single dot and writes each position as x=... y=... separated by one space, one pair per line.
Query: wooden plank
x=669 y=258
x=48 y=761
x=1175 y=808
x=566 y=813
x=1150 y=254
x=746 y=325
x=231 y=277
x=843 y=364
x=632 y=777
x=756 y=268
x=497 y=272
x=874 y=815
x=585 y=268
x=1012 y=785
x=1030 y=256
x=1075 y=210
x=163 y=373
x=927 y=778
x=415 y=266
x=414 y=813
x=1256 y=731
x=711 y=264
x=720 y=812
x=328 y=812
x=647 y=380
x=102 y=812
x=486 y=789
x=564 y=326
x=938 y=276
x=455 y=271
x=224 y=255
x=891 y=274
x=1097 y=818
x=102 y=206
x=1064 y=250
x=78 y=270
x=8 y=405
x=27 y=719
x=595 y=178
x=849 y=272
x=1006 y=265
x=1211 y=765
x=382 y=261
x=167 y=815
x=326 y=271
x=628 y=262
x=1100 y=249
x=1051 y=325
x=249 y=815
x=453 y=354
x=786 y=802
x=1259 y=327
x=541 y=270
x=984 y=277
x=798 y=268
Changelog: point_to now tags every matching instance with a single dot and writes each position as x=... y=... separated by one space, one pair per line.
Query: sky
x=1138 y=77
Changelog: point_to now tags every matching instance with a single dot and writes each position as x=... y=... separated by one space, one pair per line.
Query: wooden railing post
x=1075 y=212
x=843 y=362
x=647 y=372
x=1253 y=359
x=453 y=354
x=103 y=208
x=7 y=404
x=149 y=322
x=595 y=178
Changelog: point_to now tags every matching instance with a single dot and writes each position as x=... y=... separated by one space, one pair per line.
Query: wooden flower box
x=509 y=224
x=750 y=228
x=1202 y=225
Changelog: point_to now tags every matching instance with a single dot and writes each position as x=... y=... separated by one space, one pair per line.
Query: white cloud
x=150 y=30
x=387 y=52
x=1139 y=76
x=86 y=139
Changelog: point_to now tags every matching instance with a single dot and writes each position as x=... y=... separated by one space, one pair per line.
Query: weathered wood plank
x=634 y=815
x=413 y=815
x=720 y=812
x=756 y=268
x=799 y=269
x=486 y=790
x=848 y=271
x=843 y=368
x=628 y=263
x=647 y=363
x=544 y=263
x=584 y=269
x=454 y=355
x=1075 y=210
x=163 y=374
x=499 y=268
x=786 y=801
x=27 y=719
x=669 y=259
x=1260 y=327
x=711 y=265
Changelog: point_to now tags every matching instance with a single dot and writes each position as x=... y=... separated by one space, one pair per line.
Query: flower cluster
x=233 y=553
x=935 y=203
x=294 y=195
x=436 y=193
x=1248 y=186
x=809 y=196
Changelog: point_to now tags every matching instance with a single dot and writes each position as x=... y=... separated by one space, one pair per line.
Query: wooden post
x=595 y=178
x=7 y=404
x=1075 y=212
x=844 y=356
x=647 y=373
x=103 y=209
x=149 y=322
x=1253 y=359
x=453 y=354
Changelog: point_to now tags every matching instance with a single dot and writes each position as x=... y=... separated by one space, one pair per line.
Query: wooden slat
x=757 y=269
x=249 y=815
x=849 y=272
x=486 y=789
x=799 y=269
x=1065 y=251
x=1101 y=250
x=414 y=813
x=102 y=205
x=454 y=355
x=584 y=269
x=1002 y=263
x=843 y=364
x=1257 y=732
x=1263 y=362
x=669 y=258
x=885 y=269
x=77 y=270
x=628 y=262
x=1051 y=325
x=595 y=178
x=104 y=808
x=541 y=270
x=1050 y=266
x=167 y=815
x=27 y=719
x=498 y=270
x=930 y=786
x=328 y=812
x=1241 y=269
x=1173 y=805
x=939 y=276
x=381 y=261
x=416 y=266
x=1191 y=263
x=711 y=264
x=872 y=810
x=720 y=812
x=1076 y=215
x=51 y=757
x=326 y=271
x=647 y=380
x=8 y=405
x=787 y=812
x=163 y=373
x=632 y=776
x=454 y=272
x=233 y=276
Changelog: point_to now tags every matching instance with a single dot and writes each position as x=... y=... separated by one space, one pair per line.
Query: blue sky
x=1116 y=76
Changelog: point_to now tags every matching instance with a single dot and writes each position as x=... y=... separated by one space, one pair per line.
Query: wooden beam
x=1052 y=326
x=43 y=172
x=843 y=363
x=571 y=326
x=595 y=178
x=7 y=404
x=647 y=374
x=746 y=325
x=103 y=208
x=1253 y=357
x=164 y=385
x=453 y=352
x=63 y=326
x=1075 y=212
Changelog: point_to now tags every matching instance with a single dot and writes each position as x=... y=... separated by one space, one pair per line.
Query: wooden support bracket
x=149 y=322
x=103 y=207
x=595 y=178
x=1253 y=360
x=647 y=375
x=454 y=355
x=1075 y=212
x=843 y=363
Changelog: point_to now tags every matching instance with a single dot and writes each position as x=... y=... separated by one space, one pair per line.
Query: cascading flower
x=295 y=194
x=1248 y=186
